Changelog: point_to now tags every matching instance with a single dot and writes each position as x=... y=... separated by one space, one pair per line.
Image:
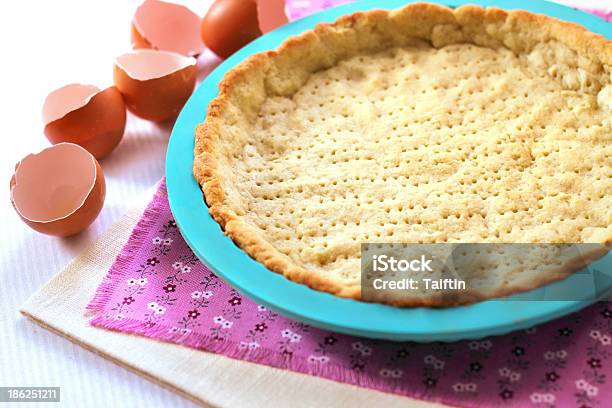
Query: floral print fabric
x=158 y=288
x=300 y=8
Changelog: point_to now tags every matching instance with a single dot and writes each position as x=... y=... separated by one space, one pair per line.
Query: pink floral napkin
x=300 y=8
x=158 y=288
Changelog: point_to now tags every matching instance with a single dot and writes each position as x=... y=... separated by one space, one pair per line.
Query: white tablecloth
x=46 y=45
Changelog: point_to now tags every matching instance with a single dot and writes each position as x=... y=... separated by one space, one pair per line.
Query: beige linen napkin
x=205 y=378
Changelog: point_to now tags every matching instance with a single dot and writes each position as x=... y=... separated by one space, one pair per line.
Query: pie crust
x=423 y=124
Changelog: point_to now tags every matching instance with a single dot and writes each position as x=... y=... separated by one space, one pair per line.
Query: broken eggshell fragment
x=166 y=26
x=85 y=115
x=59 y=191
x=271 y=14
x=155 y=84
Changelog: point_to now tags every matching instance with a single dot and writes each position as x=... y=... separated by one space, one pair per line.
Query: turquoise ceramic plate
x=298 y=302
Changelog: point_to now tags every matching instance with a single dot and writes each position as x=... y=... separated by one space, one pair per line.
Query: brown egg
x=59 y=191
x=230 y=25
x=85 y=115
x=166 y=26
x=155 y=84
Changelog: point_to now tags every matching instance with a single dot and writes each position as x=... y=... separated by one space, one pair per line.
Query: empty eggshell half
x=166 y=26
x=85 y=115
x=155 y=84
x=59 y=191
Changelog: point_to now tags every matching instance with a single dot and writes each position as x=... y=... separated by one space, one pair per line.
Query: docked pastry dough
x=417 y=125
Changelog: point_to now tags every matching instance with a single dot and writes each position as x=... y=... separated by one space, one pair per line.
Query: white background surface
x=45 y=45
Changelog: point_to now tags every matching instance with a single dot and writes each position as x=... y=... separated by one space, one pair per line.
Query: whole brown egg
x=230 y=25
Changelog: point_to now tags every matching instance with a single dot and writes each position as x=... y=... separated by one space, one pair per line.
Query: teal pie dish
x=299 y=302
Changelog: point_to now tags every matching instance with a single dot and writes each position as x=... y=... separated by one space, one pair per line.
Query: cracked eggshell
x=59 y=191
x=155 y=84
x=166 y=26
x=271 y=14
x=85 y=115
